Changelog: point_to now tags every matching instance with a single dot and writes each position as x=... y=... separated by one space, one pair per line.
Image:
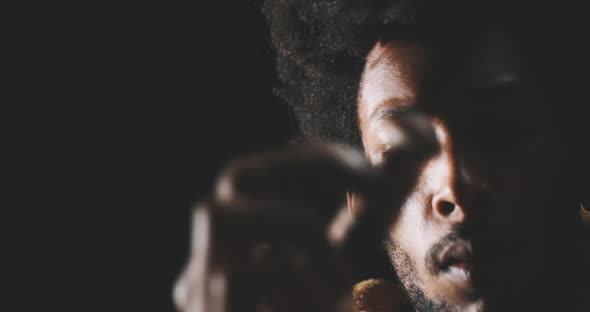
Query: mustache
x=461 y=233
x=432 y=255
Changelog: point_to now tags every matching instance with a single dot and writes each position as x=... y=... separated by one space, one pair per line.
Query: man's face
x=474 y=232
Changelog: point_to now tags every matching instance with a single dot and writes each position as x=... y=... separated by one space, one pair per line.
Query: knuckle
x=227 y=186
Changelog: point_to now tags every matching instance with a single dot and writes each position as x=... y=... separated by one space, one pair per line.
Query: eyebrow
x=391 y=112
x=393 y=108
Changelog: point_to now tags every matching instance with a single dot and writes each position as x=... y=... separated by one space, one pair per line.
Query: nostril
x=445 y=208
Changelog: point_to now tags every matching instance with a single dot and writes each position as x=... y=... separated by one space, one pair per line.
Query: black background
x=116 y=118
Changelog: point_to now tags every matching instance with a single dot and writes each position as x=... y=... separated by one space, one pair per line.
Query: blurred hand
x=278 y=234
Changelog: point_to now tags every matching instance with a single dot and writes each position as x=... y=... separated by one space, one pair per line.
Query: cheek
x=408 y=228
x=414 y=227
x=413 y=232
x=533 y=176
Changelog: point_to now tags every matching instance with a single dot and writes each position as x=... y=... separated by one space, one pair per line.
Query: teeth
x=460 y=272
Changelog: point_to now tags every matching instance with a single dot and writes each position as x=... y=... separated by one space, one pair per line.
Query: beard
x=406 y=273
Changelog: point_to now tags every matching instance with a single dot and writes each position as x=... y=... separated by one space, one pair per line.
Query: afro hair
x=321 y=47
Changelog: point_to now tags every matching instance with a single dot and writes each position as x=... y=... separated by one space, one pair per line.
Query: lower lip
x=460 y=272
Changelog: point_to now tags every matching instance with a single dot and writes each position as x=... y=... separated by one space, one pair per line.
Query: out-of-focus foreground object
x=375 y=295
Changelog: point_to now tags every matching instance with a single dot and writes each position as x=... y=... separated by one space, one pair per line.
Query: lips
x=459 y=254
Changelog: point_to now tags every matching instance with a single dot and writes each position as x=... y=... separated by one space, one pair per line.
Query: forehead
x=397 y=73
x=390 y=76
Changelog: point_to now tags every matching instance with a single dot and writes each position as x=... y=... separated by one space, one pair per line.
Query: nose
x=459 y=194
x=445 y=206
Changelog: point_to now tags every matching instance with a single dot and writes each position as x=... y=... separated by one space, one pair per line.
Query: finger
x=194 y=291
x=362 y=237
x=253 y=222
x=225 y=268
x=310 y=175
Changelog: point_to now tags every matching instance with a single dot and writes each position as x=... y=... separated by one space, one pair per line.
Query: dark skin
x=493 y=197
x=462 y=176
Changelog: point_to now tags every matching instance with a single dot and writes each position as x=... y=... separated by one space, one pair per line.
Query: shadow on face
x=474 y=232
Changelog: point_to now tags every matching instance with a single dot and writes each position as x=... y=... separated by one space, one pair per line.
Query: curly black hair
x=321 y=47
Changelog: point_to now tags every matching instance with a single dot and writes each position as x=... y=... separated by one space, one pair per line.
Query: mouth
x=456 y=261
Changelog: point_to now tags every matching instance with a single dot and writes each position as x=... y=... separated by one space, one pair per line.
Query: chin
x=451 y=299
x=456 y=284
x=477 y=306
x=455 y=291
